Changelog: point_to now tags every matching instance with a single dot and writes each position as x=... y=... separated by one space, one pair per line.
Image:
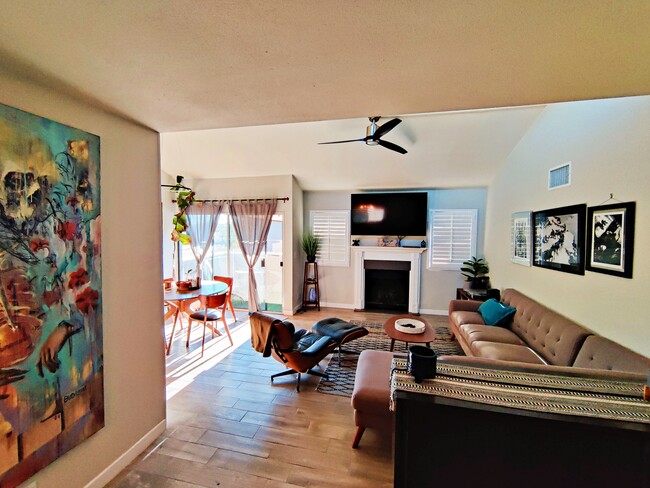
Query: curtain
x=203 y=218
x=251 y=221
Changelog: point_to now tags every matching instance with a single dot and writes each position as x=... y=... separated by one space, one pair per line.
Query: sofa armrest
x=464 y=306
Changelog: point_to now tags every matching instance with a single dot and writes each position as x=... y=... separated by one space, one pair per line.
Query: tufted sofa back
x=554 y=337
x=601 y=353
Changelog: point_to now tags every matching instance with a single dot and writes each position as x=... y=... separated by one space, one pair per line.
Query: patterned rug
x=341 y=378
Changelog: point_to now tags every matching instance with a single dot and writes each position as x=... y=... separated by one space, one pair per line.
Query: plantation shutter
x=332 y=228
x=452 y=237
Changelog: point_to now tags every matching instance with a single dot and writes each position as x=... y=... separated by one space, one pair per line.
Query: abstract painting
x=559 y=238
x=520 y=238
x=51 y=359
x=610 y=240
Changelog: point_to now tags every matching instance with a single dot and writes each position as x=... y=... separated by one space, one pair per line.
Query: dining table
x=179 y=302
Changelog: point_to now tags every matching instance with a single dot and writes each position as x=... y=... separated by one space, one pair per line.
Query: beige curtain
x=251 y=220
x=203 y=218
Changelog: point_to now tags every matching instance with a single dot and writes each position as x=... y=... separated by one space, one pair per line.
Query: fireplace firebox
x=387 y=285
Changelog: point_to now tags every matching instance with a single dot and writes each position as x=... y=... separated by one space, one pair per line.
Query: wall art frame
x=610 y=239
x=51 y=328
x=559 y=238
x=521 y=238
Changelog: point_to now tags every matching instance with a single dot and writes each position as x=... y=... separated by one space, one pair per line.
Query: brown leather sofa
x=538 y=335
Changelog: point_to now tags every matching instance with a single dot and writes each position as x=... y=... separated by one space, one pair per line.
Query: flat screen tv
x=389 y=214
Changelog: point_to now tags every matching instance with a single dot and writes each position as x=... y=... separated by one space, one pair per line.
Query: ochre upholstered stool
x=340 y=331
x=371 y=394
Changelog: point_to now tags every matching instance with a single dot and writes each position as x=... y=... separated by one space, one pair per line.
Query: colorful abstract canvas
x=51 y=359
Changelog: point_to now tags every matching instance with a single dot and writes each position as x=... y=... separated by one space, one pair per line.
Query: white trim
x=431 y=311
x=117 y=466
x=337 y=305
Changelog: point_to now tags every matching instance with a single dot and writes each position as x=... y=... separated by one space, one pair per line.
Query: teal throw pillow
x=495 y=312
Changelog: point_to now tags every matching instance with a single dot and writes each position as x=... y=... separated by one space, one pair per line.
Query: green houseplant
x=475 y=272
x=310 y=245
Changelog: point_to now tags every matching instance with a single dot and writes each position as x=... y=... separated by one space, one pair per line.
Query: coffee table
x=395 y=335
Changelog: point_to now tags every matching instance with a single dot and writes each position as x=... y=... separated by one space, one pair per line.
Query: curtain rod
x=284 y=199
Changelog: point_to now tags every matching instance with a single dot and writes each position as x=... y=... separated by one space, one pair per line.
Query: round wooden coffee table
x=427 y=336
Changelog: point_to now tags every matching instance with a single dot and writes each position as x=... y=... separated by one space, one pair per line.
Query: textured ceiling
x=187 y=64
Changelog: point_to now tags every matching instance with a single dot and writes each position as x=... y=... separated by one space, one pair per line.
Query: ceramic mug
x=421 y=363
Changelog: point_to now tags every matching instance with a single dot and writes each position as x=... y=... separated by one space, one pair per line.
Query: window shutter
x=332 y=228
x=452 y=237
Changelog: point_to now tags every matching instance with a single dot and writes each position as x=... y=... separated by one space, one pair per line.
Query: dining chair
x=228 y=281
x=214 y=309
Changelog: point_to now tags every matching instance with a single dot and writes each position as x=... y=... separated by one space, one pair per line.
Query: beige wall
x=297 y=255
x=608 y=142
x=131 y=258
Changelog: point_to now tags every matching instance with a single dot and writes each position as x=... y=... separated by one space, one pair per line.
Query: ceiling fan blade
x=340 y=142
x=387 y=127
x=391 y=146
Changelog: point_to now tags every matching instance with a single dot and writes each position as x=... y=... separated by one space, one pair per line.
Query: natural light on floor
x=183 y=369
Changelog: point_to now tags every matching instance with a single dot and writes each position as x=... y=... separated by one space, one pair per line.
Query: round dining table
x=179 y=302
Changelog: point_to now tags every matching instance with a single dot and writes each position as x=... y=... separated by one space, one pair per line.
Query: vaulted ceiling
x=271 y=79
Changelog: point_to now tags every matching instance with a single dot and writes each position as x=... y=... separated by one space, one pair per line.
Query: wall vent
x=559 y=176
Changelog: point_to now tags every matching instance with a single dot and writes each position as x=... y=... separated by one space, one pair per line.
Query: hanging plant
x=184 y=199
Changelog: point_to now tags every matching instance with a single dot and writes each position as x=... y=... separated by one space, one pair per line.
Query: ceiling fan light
x=371 y=142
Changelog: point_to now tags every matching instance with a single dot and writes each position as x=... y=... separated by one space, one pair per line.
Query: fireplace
x=404 y=262
x=387 y=285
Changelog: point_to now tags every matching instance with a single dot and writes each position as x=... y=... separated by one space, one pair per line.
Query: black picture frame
x=610 y=239
x=559 y=238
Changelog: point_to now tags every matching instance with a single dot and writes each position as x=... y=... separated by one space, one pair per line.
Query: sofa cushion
x=462 y=317
x=600 y=353
x=495 y=313
x=505 y=352
x=475 y=332
x=554 y=337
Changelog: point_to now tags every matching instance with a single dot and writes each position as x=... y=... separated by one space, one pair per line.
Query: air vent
x=559 y=176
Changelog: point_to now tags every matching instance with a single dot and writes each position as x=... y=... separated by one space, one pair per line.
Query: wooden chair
x=228 y=281
x=214 y=309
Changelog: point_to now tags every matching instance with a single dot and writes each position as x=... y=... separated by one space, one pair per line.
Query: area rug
x=341 y=377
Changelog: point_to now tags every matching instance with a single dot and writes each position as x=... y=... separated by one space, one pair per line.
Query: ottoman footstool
x=371 y=394
x=339 y=331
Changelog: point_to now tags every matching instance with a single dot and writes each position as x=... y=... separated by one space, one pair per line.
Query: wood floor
x=228 y=426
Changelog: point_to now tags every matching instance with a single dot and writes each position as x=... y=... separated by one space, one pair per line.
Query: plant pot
x=311 y=259
x=480 y=283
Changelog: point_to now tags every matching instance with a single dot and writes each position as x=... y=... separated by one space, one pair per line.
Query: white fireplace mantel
x=373 y=253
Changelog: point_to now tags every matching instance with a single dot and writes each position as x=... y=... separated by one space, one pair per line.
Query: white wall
x=131 y=258
x=608 y=142
x=438 y=286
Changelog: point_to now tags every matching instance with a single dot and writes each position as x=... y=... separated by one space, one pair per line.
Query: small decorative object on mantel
x=385 y=242
x=610 y=238
x=475 y=272
x=355 y=242
x=310 y=246
x=423 y=243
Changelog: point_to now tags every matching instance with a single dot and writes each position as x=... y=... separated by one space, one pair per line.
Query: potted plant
x=310 y=245
x=475 y=272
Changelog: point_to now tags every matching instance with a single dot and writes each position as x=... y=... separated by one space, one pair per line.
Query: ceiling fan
x=374 y=134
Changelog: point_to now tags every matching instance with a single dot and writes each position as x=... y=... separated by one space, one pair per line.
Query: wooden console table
x=478 y=295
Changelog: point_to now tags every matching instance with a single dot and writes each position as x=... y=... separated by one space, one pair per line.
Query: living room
x=604 y=137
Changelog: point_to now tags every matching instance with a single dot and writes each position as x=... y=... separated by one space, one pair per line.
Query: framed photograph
x=559 y=239
x=521 y=238
x=610 y=239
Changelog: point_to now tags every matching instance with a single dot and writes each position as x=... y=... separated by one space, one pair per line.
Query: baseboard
x=337 y=305
x=125 y=459
x=430 y=311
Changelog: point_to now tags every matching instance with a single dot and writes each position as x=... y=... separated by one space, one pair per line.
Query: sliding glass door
x=225 y=258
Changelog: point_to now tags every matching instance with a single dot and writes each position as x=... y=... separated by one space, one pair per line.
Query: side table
x=477 y=295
